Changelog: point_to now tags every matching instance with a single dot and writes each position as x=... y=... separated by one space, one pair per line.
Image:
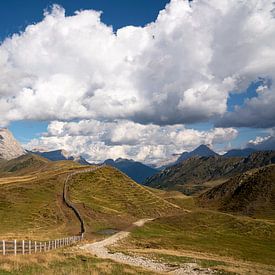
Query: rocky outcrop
x=10 y=148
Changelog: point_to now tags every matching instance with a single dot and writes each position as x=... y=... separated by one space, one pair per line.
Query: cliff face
x=10 y=148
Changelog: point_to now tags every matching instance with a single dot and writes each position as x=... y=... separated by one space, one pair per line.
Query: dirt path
x=100 y=249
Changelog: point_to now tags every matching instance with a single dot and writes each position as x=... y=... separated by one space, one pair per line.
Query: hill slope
x=190 y=175
x=22 y=165
x=251 y=193
x=31 y=204
x=134 y=169
x=111 y=199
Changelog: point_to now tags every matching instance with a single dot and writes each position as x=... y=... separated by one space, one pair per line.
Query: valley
x=225 y=224
x=181 y=229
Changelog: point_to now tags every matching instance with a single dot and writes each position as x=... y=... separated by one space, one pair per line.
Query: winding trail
x=67 y=200
x=100 y=249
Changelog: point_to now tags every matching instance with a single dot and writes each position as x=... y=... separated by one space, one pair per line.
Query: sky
x=138 y=79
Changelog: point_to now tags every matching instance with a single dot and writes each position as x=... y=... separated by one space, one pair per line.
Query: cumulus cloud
x=98 y=141
x=258 y=112
x=263 y=143
x=178 y=69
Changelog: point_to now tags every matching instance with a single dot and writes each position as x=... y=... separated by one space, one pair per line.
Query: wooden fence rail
x=14 y=247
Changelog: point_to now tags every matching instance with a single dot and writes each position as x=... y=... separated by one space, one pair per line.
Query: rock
x=10 y=148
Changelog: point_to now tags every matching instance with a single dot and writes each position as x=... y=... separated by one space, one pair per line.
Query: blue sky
x=16 y=14
x=157 y=76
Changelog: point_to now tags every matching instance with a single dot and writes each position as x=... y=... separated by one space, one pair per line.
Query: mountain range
x=61 y=154
x=201 y=151
x=137 y=171
x=190 y=176
x=178 y=172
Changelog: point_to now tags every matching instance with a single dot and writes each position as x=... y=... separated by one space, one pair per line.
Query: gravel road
x=100 y=249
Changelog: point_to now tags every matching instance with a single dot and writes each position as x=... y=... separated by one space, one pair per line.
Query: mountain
x=10 y=148
x=201 y=151
x=134 y=169
x=191 y=175
x=239 y=152
x=251 y=193
x=61 y=154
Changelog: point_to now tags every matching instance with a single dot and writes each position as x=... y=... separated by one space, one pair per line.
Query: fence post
x=54 y=244
x=15 y=248
x=45 y=246
x=40 y=247
x=35 y=247
x=30 y=247
x=4 y=247
x=23 y=247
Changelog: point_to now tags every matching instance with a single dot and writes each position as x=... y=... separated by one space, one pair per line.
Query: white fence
x=14 y=247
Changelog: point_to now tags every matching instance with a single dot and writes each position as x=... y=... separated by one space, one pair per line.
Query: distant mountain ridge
x=10 y=148
x=197 y=170
x=239 y=152
x=134 y=169
x=201 y=151
x=60 y=154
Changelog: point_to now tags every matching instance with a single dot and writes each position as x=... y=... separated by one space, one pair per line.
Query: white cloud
x=148 y=143
x=178 y=69
x=263 y=142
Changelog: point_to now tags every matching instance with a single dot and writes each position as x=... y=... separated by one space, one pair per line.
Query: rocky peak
x=10 y=148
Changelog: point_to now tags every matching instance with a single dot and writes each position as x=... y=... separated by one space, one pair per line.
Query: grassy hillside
x=31 y=202
x=251 y=193
x=22 y=165
x=34 y=208
x=30 y=164
x=110 y=199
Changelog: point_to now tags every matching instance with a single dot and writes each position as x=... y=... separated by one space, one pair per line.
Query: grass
x=110 y=199
x=35 y=209
x=64 y=262
x=31 y=205
x=211 y=232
